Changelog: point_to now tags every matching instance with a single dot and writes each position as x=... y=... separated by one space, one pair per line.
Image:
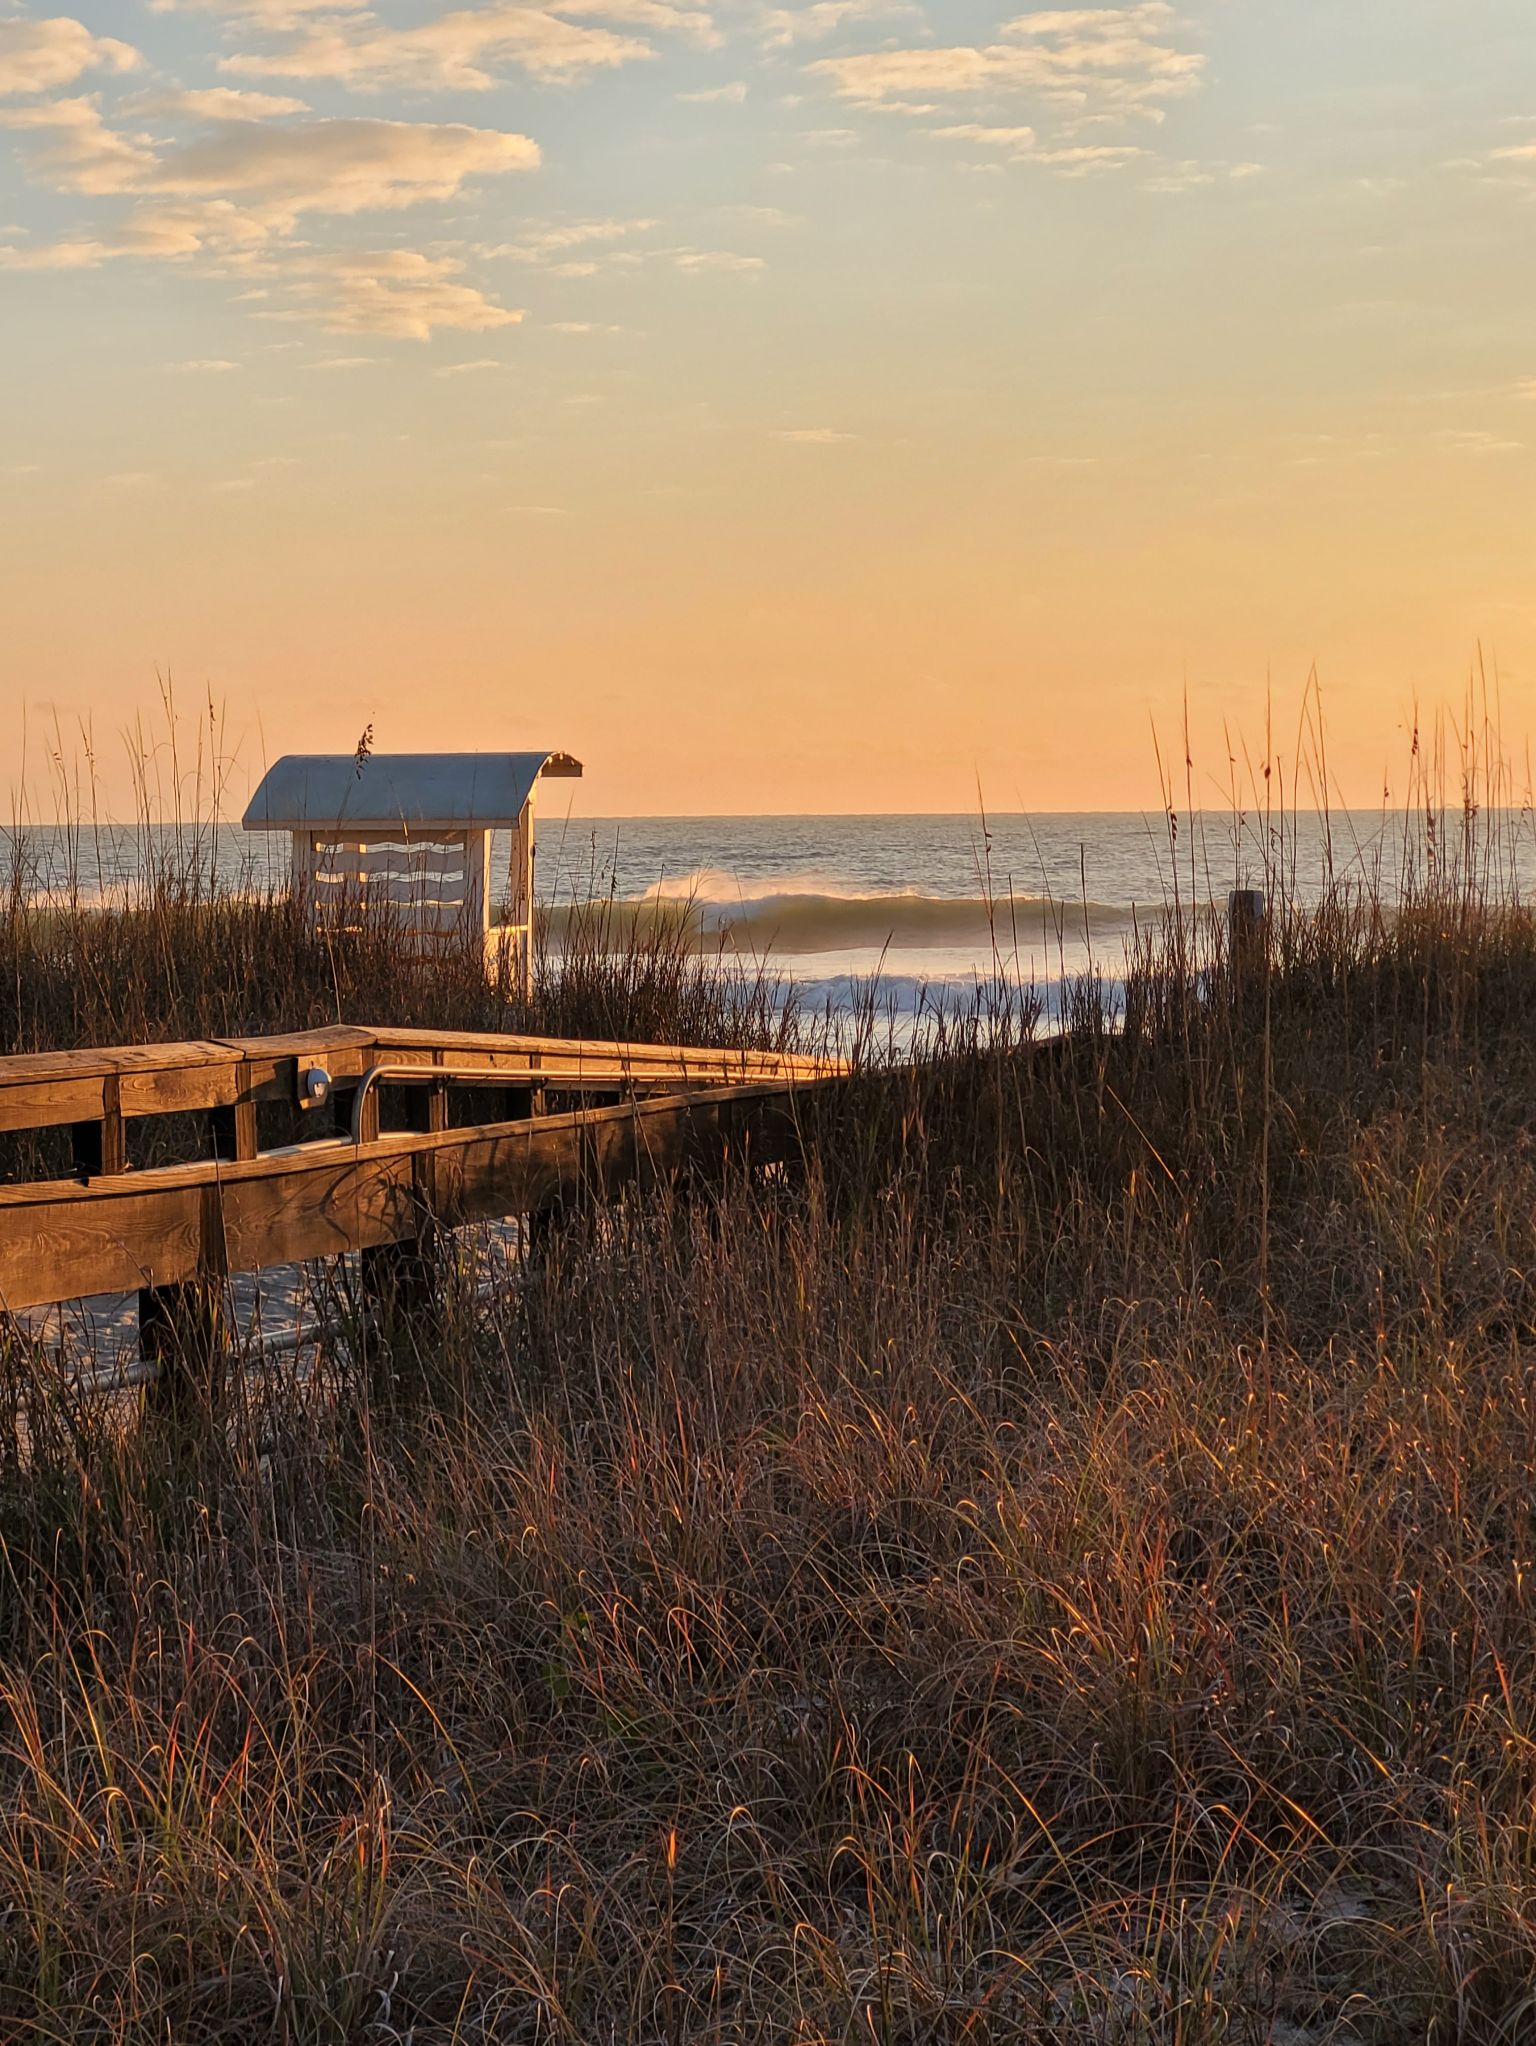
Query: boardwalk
x=264 y=1154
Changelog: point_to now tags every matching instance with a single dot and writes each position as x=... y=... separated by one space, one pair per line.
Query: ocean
x=923 y=907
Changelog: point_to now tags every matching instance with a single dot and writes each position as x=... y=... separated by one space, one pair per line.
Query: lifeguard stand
x=406 y=838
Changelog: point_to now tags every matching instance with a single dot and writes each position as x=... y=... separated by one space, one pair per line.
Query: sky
x=784 y=405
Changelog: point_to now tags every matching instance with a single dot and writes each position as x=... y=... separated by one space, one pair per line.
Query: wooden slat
x=48 y=1104
x=41 y=1090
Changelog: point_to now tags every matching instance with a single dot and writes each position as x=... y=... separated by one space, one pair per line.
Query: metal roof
x=423 y=791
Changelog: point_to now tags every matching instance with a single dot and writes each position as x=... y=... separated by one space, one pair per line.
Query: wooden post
x=304 y=859
x=522 y=898
x=232 y=1131
x=183 y=1328
x=1247 y=938
x=402 y=1281
x=101 y=1148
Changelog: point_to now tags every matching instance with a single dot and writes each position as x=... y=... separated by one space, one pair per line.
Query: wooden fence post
x=184 y=1329
x=101 y=1148
x=1247 y=939
x=404 y=1280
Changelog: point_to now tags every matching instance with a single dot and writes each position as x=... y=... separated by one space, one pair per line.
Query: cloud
x=814 y=22
x=813 y=436
x=1072 y=160
x=1086 y=62
x=42 y=56
x=343 y=166
x=712 y=259
x=468 y=49
x=1475 y=441
x=399 y=294
x=271 y=14
x=468 y=369
x=1015 y=142
x=730 y=95
x=204 y=366
x=550 y=245
x=1192 y=175
x=78 y=152
x=281 y=169
x=236 y=193
x=221 y=103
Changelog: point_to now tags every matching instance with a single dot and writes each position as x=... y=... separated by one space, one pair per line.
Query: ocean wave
x=809 y=921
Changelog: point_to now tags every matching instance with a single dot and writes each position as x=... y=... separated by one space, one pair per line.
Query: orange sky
x=817 y=407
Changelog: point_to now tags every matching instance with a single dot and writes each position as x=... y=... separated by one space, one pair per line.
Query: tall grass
x=1062 y=1573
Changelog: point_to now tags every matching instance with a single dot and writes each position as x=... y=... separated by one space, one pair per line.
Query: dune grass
x=1062 y=1573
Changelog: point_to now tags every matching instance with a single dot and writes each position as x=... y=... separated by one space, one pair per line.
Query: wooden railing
x=292 y=1160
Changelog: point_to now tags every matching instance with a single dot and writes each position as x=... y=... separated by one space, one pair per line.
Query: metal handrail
x=419 y=1075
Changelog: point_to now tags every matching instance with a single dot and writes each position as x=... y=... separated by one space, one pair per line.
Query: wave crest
x=801 y=921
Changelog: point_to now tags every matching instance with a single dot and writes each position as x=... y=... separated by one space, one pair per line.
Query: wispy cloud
x=1473 y=440
x=813 y=436
x=400 y=294
x=728 y=95
x=815 y=20
x=566 y=246
x=283 y=169
x=219 y=103
x=204 y=366
x=468 y=369
x=1193 y=176
x=697 y=260
x=465 y=49
x=236 y=193
x=1083 y=63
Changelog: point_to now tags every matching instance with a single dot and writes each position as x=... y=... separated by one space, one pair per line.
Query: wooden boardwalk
x=329 y=1141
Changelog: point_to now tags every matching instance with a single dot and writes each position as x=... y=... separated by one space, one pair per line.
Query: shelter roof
x=421 y=791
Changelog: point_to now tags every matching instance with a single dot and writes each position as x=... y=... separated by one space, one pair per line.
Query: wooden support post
x=403 y=1281
x=1247 y=939
x=522 y=900
x=232 y=1131
x=183 y=1329
x=101 y=1148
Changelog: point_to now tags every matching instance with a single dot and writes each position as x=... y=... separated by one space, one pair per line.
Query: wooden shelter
x=407 y=837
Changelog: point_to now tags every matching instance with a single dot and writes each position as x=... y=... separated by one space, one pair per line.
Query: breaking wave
x=805 y=920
